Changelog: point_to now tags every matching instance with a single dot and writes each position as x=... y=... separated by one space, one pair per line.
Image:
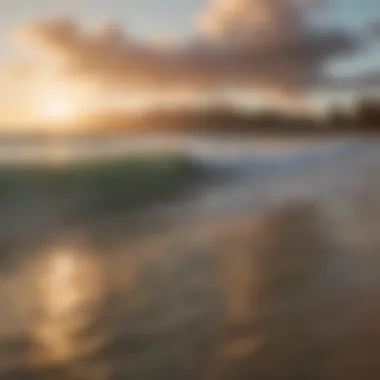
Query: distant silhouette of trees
x=339 y=119
x=367 y=115
x=364 y=116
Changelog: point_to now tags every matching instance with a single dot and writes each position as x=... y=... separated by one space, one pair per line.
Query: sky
x=147 y=17
x=53 y=51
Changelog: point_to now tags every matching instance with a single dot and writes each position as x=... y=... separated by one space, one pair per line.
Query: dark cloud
x=374 y=29
x=359 y=82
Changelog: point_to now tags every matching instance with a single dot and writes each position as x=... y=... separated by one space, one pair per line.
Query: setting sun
x=59 y=109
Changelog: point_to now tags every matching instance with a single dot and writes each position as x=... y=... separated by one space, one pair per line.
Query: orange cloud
x=265 y=45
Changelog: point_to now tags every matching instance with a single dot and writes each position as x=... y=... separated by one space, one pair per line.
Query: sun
x=59 y=109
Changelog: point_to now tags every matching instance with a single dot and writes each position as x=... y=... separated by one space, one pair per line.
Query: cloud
x=266 y=45
x=259 y=22
x=359 y=82
x=274 y=38
x=374 y=28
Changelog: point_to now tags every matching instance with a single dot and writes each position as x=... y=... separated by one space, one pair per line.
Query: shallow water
x=272 y=276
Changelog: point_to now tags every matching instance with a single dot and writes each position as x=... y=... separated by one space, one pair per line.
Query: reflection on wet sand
x=69 y=291
x=274 y=272
x=258 y=298
x=144 y=314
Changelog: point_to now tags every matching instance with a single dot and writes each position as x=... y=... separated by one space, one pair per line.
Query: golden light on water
x=70 y=289
x=62 y=292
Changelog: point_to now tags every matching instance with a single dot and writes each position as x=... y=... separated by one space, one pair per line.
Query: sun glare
x=59 y=109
